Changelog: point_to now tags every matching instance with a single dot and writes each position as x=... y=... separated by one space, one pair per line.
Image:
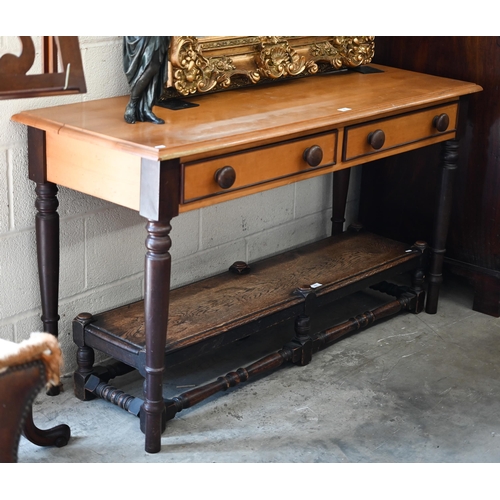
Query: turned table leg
x=47 y=230
x=156 y=304
x=47 y=240
x=160 y=188
x=441 y=225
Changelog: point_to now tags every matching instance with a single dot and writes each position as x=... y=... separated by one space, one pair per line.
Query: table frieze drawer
x=400 y=131
x=251 y=167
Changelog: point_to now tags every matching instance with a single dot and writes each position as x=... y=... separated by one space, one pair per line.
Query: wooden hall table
x=234 y=144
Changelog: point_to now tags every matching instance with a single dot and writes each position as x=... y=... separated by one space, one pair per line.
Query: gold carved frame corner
x=208 y=64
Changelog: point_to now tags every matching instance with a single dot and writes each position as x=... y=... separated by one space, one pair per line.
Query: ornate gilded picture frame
x=209 y=64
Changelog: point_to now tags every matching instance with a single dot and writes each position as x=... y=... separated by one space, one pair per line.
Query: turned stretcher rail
x=294 y=352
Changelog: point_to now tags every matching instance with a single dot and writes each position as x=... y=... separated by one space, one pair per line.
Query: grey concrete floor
x=413 y=389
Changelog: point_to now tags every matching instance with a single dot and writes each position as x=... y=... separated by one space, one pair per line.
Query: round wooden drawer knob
x=240 y=267
x=313 y=156
x=441 y=122
x=376 y=139
x=225 y=177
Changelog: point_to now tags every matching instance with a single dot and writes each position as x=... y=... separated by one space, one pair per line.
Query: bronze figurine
x=145 y=62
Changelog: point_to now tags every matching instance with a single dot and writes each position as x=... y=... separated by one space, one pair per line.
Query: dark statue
x=145 y=62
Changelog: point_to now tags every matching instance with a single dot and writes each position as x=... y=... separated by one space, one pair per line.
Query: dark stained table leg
x=442 y=220
x=340 y=190
x=160 y=188
x=47 y=237
x=156 y=303
x=47 y=230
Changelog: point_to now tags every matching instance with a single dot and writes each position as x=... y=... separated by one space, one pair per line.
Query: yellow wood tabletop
x=251 y=116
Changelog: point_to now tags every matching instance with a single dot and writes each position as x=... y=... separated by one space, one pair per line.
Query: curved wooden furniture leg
x=19 y=386
x=56 y=436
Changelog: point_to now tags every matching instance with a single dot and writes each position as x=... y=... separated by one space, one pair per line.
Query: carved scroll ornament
x=207 y=64
x=62 y=69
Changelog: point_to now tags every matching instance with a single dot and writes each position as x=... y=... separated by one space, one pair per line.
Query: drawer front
x=383 y=135
x=228 y=173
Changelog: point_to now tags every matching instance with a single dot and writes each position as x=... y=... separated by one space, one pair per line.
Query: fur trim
x=42 y=346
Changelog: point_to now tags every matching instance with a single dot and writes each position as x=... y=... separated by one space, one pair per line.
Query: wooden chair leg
x=56 y=436
x=19 y=386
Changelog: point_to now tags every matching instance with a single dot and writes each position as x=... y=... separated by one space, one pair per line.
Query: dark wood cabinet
x=398 y=192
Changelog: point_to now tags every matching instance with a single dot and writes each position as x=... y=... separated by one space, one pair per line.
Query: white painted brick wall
x=102 y=246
